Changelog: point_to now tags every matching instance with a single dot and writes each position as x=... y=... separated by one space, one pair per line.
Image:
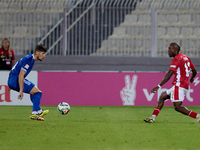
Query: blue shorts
x=14 y=84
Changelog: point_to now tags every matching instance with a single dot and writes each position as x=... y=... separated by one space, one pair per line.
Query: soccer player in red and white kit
x=180 y=66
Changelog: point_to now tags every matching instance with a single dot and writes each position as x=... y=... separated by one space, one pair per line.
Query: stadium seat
x=196 y=18
x=21 y=44
x=17 y=19
x=169 y=6
x=116 y=47
x=161 y=20
x=44 y=19
x=133 y=31
x=157 y=4
x=33 y=32
x=138 y=47
x=144 y=19
x=186 y=33
x=196 y=33
x=106 y=44
x=135 y=47
x=162 y=48
x=42 y=7
x=142 y=7
x=188 y=47
x=29 y=6
x=173 y=32
x=147 y=48
x=6 y=18
x=145 y=32
x=171 y=19
x=161 y=32
x=14 y=7
x=30 y=18
x=119 y=32
x=185 y=20
x=112 y=51
x=121 y=44
x=3 y=19
x=4 y=6
x=6 y=31
x=56 y=7
x=19 y=32
x=184 y=6
x=130 y=20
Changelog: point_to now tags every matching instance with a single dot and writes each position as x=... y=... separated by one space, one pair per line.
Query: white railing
x=95 y=21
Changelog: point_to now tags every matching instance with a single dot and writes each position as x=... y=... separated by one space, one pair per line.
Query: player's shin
x=156 y=112
x=192 y=114
x=36 y=102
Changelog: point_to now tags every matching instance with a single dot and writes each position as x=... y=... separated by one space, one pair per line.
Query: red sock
x=192 y=114
x=156 y=111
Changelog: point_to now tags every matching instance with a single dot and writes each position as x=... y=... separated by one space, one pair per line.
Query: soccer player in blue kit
x=17 y=81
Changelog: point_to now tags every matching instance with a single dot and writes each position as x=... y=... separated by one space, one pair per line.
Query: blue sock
x=36 y=100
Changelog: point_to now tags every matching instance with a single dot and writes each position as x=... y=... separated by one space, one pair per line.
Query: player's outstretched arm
x=164 y=80
x=194 y=72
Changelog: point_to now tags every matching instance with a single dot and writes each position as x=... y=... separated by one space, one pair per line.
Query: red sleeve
x=174 y=65
x=12 y=53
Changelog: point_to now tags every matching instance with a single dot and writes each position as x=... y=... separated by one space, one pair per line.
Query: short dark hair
x=40 y=48
x=177 y=46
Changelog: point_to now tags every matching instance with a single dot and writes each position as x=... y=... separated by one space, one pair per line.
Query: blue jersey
x=25 y=64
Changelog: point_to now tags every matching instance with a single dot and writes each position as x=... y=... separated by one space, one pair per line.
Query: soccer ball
x=63 y=108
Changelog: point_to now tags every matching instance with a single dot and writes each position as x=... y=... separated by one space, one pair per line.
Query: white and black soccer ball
x=63 y=108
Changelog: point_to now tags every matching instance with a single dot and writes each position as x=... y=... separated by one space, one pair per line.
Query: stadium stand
x=177 y=21
x=95 y=28
x=28 y=20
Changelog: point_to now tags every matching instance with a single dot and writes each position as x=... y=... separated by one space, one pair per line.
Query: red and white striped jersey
x=182 y=65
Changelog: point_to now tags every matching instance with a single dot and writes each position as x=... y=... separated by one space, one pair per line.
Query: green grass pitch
x=98 y=128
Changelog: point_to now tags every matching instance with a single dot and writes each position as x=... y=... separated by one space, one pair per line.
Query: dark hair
x=177 y=46
x=40 y=48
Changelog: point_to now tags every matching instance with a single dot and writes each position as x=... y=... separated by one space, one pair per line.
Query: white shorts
x=177 y=93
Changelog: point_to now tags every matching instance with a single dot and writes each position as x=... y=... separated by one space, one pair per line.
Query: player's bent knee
x=35 y=90
x=177 y=107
